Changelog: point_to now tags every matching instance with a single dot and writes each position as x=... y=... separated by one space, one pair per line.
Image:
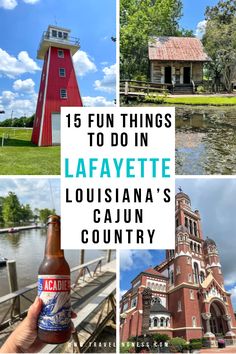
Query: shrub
x=160 y=338
x=195 y=345
x=177 y=345
x=201 y=89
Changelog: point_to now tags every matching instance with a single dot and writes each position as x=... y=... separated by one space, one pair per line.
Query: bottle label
x=54 y=290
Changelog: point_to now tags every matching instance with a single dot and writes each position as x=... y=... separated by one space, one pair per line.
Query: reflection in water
x=27 y=249
x=205 y=140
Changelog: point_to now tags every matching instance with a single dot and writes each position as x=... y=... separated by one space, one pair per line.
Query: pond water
x=205 y=140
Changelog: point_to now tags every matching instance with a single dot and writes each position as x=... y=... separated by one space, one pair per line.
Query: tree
x=140 y=20
x=11 y=209
x=26 y=213
x=220 y=42
x=1 y=207
x=44 y=214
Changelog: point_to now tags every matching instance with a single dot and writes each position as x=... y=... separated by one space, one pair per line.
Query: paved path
x=229 y=349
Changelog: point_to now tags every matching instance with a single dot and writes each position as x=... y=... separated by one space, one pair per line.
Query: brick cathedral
x=188 y=297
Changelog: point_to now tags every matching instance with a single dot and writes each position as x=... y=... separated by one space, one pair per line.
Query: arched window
x=190 y=226
x=162 y=322
x=186 y=222
x=195 y=228
x=171 y=277
x=167 y=322
x=155 y=322
x=198 y=248
x=195 y=248
x=191 y=245
x=196 y=273
x=202 y=277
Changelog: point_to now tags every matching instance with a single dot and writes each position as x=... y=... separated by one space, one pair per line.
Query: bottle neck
x=53 y=243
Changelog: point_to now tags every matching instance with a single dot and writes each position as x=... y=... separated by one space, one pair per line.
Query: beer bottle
x=54 y=323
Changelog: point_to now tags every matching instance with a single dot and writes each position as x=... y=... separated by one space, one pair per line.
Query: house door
x=168 y=75
x=187 y=75
x=56 y=128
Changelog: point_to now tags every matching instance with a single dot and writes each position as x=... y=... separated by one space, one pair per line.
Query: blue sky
x=216 y=202
x=193 y=13
x=22 y=23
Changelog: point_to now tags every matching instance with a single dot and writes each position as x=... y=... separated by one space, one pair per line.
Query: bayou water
x=205 y=140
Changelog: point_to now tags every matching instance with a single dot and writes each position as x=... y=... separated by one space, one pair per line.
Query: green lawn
x=196 y=100
x=19 y=156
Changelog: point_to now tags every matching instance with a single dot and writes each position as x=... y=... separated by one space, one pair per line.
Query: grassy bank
x=194 y=100
x=19 y=156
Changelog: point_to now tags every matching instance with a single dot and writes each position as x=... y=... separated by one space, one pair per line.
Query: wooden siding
x=158 y=70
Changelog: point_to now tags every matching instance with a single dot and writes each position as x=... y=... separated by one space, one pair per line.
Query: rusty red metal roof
x=176 y=49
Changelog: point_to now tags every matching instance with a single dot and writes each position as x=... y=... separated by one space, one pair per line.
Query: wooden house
x=177 y=62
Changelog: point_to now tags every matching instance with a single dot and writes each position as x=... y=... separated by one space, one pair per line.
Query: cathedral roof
x=152 y=272
x=158 y=307
x=209 y=242
x=181 y=195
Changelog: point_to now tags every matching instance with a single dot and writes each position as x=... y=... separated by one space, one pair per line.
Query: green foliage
x=24 y=122
x=26 y=213
x=195 y=345
x=126 y=347
x=177 y=344
x=220 y=43
x=44 y=214
x=201 y=89
x=11 y=209
x=158 y=99
x=160 y=338
x=140 y=20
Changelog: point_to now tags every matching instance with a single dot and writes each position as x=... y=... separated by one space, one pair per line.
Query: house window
x=194 y=321
x=186 y=222
x=195 y=228
x=134 y=302
x=191 y=294
x=59 y=34
x=155 y=322
x=179 y=306
x=190 y=227
x=65 y=35
x=171 y=277
x=63 y=93
x=54 y=33
x=62 y=72
x=125 y=306
x=162 y=322
x=196 y=273
x=60 y=53
x=202 y=277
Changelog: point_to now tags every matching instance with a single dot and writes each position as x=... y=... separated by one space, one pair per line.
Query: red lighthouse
x=58 y=87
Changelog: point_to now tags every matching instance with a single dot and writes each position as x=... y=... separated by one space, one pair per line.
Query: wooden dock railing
x=137 y=88
x=13 y=312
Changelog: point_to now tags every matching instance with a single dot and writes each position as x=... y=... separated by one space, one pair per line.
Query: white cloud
x=25 y=190
x=122 y=292
x=97 y=101
x=201 y=28
x=108 y=82
x=31 y=1
x=24 y=85
x=12 y=66
x=83 y=64
x=20 y=104
x=8 y=4
x=130 y=258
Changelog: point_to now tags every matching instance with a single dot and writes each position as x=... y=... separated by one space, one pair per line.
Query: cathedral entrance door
x=218 y=325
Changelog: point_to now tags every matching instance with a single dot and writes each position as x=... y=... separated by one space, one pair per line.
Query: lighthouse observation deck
x=57 y=37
